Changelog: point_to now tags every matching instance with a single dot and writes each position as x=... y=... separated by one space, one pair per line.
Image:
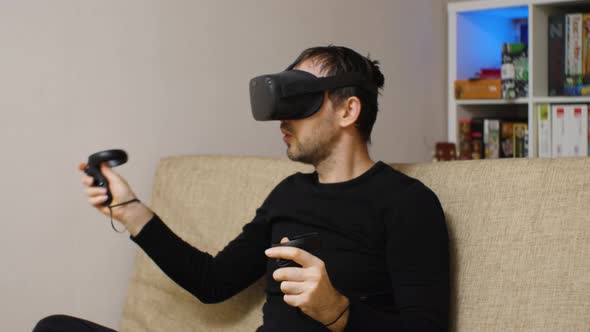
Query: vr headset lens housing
x=270 y=101
x=296 y=94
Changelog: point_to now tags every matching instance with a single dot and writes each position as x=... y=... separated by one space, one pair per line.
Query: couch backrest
x=519 y=231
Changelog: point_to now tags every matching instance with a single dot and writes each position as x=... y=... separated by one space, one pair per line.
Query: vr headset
x=296 y=94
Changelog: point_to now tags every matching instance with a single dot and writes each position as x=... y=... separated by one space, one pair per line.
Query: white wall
x=160 y=78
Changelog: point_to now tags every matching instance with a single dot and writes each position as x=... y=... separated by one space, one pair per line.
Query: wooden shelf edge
x=518 y=101
x=566 y=100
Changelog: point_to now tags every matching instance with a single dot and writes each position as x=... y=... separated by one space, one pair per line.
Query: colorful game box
x=519 y=140
x=506 y=139
x=465 y=139
x=491 y=138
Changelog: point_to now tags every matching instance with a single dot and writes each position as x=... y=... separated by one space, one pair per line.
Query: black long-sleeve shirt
x=384 y=245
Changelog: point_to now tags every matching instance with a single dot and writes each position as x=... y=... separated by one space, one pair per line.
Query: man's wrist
x=136 y=216
x=341 y=315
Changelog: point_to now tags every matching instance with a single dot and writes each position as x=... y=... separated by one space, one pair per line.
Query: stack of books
x=569 y=54
x=485 y=138
x=562 y=130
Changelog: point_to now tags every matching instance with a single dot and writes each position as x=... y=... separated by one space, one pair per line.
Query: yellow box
x=478 y=89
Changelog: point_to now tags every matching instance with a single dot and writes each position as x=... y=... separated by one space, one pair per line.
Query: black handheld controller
x=112 y=158
x=309 y=242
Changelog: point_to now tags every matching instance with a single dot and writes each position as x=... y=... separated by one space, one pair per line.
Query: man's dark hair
x=336 y=60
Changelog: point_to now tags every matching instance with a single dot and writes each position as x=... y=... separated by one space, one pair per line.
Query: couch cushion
x=519 y=231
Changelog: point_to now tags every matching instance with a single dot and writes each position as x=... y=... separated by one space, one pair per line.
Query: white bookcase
x=477 y=30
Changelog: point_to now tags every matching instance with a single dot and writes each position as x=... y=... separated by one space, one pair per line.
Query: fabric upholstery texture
x=519 y=240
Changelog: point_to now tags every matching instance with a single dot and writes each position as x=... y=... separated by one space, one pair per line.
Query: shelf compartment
x=492 y=111
x=495 y=27
x=540 y=36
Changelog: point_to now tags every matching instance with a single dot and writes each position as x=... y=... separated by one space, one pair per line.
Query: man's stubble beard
x=315 y=149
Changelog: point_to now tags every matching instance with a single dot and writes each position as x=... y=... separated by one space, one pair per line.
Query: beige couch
x=519 y=232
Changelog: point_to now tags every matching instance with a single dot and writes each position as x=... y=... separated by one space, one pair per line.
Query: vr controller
x=309 y=242
x=113 y=158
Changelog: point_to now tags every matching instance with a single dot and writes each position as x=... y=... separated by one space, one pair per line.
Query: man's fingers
x=285 y=239
x=108 y=172
x=292 y=300
x=95 y=191
x=87 y=180
x=297 y=255
x=94 y=201
x=290 y=274
x=292 y=287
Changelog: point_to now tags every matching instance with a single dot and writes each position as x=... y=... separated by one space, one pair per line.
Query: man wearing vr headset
x=383 y=263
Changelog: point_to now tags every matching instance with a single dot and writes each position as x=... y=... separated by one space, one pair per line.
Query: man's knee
x=53 y=323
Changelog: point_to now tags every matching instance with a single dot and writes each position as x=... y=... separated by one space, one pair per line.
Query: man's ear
x=350 y=110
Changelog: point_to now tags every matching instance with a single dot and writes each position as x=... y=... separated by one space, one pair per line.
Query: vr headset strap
x=326 y=83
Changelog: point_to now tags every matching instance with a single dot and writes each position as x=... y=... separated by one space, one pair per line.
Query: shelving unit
x=477 y=30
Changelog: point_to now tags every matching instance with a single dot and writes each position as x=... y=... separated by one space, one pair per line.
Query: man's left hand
x=309 y=287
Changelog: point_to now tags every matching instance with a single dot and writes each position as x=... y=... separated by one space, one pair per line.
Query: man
x=383 y=262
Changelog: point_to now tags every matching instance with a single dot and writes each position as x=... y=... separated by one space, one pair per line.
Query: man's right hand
x=133 y=216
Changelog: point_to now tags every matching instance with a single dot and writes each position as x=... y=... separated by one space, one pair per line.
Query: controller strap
x=340 y=316
x=111 y=211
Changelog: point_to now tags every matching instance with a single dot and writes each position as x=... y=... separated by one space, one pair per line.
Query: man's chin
x=299 y=158
x=291 y=155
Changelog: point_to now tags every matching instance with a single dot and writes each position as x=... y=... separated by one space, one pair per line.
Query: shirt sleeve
x=210 y=278
x=418 y=263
